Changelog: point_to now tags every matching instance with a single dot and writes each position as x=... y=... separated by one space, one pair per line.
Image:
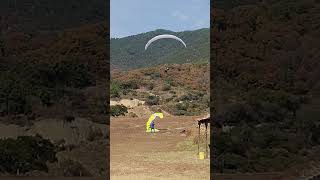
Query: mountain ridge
x=124 y=51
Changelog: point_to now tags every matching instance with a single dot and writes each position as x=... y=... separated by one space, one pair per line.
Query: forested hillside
x=129 y=53
x=41 y=72
x=47 y=15
x=266 y=65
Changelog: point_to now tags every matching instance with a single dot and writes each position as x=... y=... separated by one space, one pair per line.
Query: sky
x=131 y=17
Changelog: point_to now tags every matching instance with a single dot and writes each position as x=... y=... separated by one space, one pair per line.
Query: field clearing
x=135 y=154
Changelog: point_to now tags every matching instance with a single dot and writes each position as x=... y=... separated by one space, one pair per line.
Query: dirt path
x=136 y=154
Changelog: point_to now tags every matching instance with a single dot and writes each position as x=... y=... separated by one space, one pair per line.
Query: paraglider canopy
x=151 y=119
x=163 y=36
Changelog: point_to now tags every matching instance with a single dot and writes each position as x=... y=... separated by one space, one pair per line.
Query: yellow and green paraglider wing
x=151 y=118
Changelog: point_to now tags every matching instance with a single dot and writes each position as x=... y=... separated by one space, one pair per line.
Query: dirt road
x=168 y=154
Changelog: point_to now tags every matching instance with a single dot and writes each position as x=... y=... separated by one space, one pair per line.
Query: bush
x=73 y=169
x=155 y=75
x=239 y=112
x=193 y=96
x=14 y=90
x=45 y=98
x=180 y=112
x=150 y=86
x=25 y=154
x=182 y=106
x=234 y=161
x=169 y=81
x=115 y=89
x=72 y=73
x=94 y=134
x=153 y=100
x=129 y=85
x=132 y=115
x=118 y=110
x=166 y=87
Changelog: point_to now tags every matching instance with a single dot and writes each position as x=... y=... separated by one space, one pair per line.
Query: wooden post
x=198 y=138
x=206 y=140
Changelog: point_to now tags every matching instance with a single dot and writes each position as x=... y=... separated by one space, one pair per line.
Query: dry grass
x=173 y=163
x=187 y=145
x=201 y=140
x=149 y=177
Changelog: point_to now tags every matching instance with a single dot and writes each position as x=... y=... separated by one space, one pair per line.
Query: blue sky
x=130 y=17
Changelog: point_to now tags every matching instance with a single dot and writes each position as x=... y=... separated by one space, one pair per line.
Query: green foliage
x=222 y=4
x=45 y=97
x=170 y=82
x=166 y=87
x=49 y=15
x=115 y=89
x=155 y=75
x=14 y=93
x=48 y=82
x=192 y=96
x=132 y=84
x=26 y=153
x=73 y=168
x=72 y=73
x=181 y=109
x=266 y=135
x=118 y=110
x=94 y=134
x=150 y=86
x=152 y=100
x=126 y=50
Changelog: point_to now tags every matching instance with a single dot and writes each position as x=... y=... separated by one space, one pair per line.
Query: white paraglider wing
x=164 y=36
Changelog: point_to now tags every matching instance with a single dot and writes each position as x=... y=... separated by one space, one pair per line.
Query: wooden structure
x=204 y=121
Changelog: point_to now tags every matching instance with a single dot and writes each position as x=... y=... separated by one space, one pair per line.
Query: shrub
x=180 y=112
x=193 y=96
x=166 y=87
x=169 y=81
x=73 y=168
x=118 y=110
x=182 y=106
x=45 y=98
x=25 y=154
x=72 y=73
x=129 y=85
x=155 y=75
x=115 y=89
x=150 y=86
x=94 y=134
x=234 y=161
x=132 y=115
x=153 y=100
